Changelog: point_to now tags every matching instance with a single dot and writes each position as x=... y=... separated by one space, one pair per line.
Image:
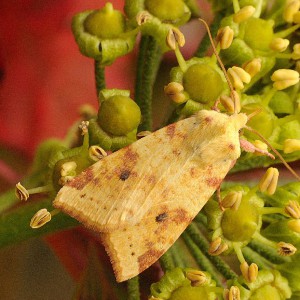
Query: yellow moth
x=142 y=197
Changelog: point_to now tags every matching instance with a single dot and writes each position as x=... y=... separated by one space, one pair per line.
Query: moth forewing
x=142 y=197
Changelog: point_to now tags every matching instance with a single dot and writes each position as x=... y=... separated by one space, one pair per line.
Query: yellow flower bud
x=197 y=278
x=279 y=44
x=174 y=91
x=84 y=127
x=286 y=249
x=175 y=37
x=232 y=200
x=21 y=192
x=249 y=272
x=96 y=153
x=260 y=145
x=291 y=145
x=294 y=225
x=68 y=168
x=217 y=247
x=238 y=77
x=293 y=209
x=296 y=52
x=296 y=17
x=225 y=37
x=40 y=218
x=284 y=78
x=231 y=105
x=232 y=294
x=290 y=10
x=253 y=66
x=244 y=14
x=269 y=181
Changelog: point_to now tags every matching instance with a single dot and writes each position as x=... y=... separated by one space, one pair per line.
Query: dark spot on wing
x=124 y=175
x=82 y=195
x=161 y=217
x=130 y=156
x=231 y=146
x=208 y=119
x=148 y=258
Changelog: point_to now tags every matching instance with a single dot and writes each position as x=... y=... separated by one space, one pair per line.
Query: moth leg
x=215 y=106
x=248 y=147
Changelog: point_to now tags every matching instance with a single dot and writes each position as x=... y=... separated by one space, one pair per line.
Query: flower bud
x=286 y=249
x=232 y=200
x=243 y=14
x=68 y=168
x=279 y=44
x=238 y=77
x=284 y=78
x=96 y=153
x=225 y=37
x=296 y=52
x=232 y=294
x=290 y=10
x=296 y=17
x=253 y=66
x=217 y=247
x=269 y=181
x=293 y=209
x=175 y=37
x=197 y=278
x=249 y=273
x=294 y=225
x=143 y=17
x=291 y=145
x=40 y=218
x=231 y=105
x=174 y=91
x=258 y=144
x=21 y=192
x=84 y=127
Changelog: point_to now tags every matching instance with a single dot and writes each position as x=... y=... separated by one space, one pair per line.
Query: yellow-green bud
x=291 y=145
x=284 y=78
x=238 y=77
x=243 y=14
x=279 y=44
x=119 y=115
x=203 y=83
x=225 y=37
x=290 y=9
x=168 y=10
x=105 y=23
x=296 y=52
x=253 y=66
x=40 y=218
x=268 y=183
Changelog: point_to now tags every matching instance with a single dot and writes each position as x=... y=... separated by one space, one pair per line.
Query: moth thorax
x=239 y=120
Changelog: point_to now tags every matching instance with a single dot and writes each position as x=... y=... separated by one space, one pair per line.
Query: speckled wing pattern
x=143 y=196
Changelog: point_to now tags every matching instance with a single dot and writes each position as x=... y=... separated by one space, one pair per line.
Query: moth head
x=239 y=120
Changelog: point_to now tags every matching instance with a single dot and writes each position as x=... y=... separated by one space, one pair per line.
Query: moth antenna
x=220 y=62
x=275 y=151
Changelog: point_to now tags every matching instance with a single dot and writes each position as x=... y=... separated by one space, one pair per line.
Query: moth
x=142 y=197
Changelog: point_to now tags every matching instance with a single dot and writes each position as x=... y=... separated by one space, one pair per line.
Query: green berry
x=105 y=23
x=203 y=83
x=166 y=9
x=119 y=115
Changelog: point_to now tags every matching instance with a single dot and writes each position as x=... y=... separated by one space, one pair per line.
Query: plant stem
x=148 y=63
x=133 y=288
x=99 y=76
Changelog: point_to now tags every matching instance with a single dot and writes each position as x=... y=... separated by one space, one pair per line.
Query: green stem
x=236 y=6
x=99 y=76
x=286 y=32
x=200 y=258
x=133 y=288
x=148 y=64
x=166 y=261
x=202 y=243
x=205 y=42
